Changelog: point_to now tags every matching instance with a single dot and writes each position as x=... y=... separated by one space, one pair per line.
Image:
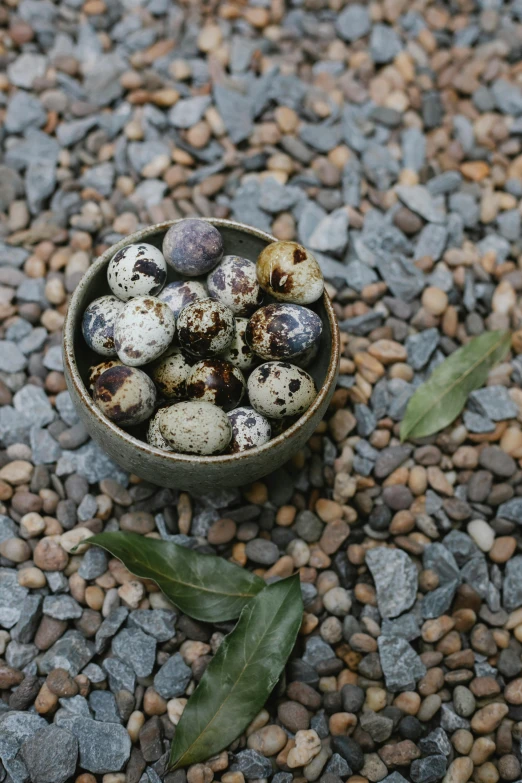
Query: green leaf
x=205 y=587
x=240 y=677
x=439 y=401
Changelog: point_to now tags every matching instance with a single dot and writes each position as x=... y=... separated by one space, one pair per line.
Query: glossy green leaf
x=439 y=401
x=240 y=677
x=205 y=587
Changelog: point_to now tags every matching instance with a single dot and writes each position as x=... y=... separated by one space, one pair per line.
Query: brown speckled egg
x=98 y=324
x=205 y=328
x=216 y=381
x=181 y=293
x=279 y=389
x=290 y=273
x=137 y=270
x=234 y=283
x=281 y=331
x=125 y=395
x=193 y=247
x=96 y=370
x=239 y=353
x=144 y=330
x=170 y=373
x=196 y=428
x=154 y=436
x=249 y=429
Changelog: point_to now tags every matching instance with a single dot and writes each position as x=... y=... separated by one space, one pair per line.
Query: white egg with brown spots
x=137 y=270
x=98 y=324
x=205 y=328
x=290 y=273
x=234 y=283
x=249 y=429
x=96 y=370
x=282 y=331
x=279 y=389
x=216 y=381
x=196 y=428
x=181 y=293
x=154 y=436
x=144 y=330
x=125 y=395
x=170 y=373
x=239 y=353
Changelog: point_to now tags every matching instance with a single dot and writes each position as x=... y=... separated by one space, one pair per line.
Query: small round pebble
x=98 y=324
x=249 y=429
x=282 y=331
x=196 y=428
x=193 y=247
x=181 y=293
x=137 y=270
x=279 y=389
x=170 y=373
x=216 y=381
x=144 y=330
x=206 y=328
x=290 y=273
x=233 y=282
x=239 y=353
x=125 y=395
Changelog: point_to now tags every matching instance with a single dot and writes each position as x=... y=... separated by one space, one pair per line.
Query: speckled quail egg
x=234 y=283
x=305 y=359
x=196 y=428
x=216 y=381
x=154 y=436
x=239 y=353
x=170 y=373
x=181 y=293
x=98 y=324
x=205 y=328
x=290 y=273
x=125 y=395
x=279 y=389
x=193 y=247
x=144 y=330
x=137 y=270
x=249 y=429
x=281 y=331
x=96 y=370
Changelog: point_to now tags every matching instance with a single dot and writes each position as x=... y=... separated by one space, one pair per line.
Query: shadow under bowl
x=187 y=471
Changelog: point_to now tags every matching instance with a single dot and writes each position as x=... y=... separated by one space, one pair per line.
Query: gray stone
x=30 y=614
x=493 y=402
x=439 y=558
x=103 y=704
x=406 y=626
x=421 y=347
x=437 y=743
x=321 y=137
x=35 y=147
x=512 y=594
x=476 y=423
x=353 y=22
x=261 y=551
x=338 y=766
x=400 y=664
x=395 y=578
x=50 y=755
x=24 y=111
x=45 y=450
x=87 y=508
x=91 y=462
x=94 y=673
x=65 y=408
x=12 y=596
x=390 y=459
x=75 y=706
x=508 y=97
x=18 y=655
x=11 y=358
x=72 y=652
x=158 y=623
x=316 y=651
x=104 y=747
x=475 y=573
x=111 y=625
x=450 y=721
x=331 y=234
x=100 y=178
x=236 y=111
x=188 y=111
x=173 y=677
x=102 y=82
x=69 y=133
x=276 y=197
x=8 y=529
x=62 y=607
x=121 y=676
x=252 y=764
x=40 y=181
x=511 y=510
x=438 y=602
x=94 y=564
x=137 y=649
x=385 y=44
x=413 y=148
x=429 y=769
x=419 y=200
x=26 y=68
x=404 y=280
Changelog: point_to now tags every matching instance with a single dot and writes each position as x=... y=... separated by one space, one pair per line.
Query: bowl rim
x=130 y=440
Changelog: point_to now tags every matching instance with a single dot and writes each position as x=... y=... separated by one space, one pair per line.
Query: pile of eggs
x=212 y=368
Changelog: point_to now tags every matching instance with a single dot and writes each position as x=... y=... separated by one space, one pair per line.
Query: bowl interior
x=240 y=241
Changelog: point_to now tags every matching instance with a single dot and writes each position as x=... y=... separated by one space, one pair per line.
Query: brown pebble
x=9 y=677
x=488 y=718
x=60 y=682
x=399 y=755
x=49 y=555
x=221 y=532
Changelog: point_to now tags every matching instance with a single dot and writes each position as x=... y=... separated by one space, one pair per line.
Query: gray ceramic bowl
x=185 y=471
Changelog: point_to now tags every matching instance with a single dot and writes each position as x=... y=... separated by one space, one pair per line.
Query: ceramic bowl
x=186 y=471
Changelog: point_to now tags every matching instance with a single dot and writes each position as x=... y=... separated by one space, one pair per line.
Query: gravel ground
x=387 y=137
